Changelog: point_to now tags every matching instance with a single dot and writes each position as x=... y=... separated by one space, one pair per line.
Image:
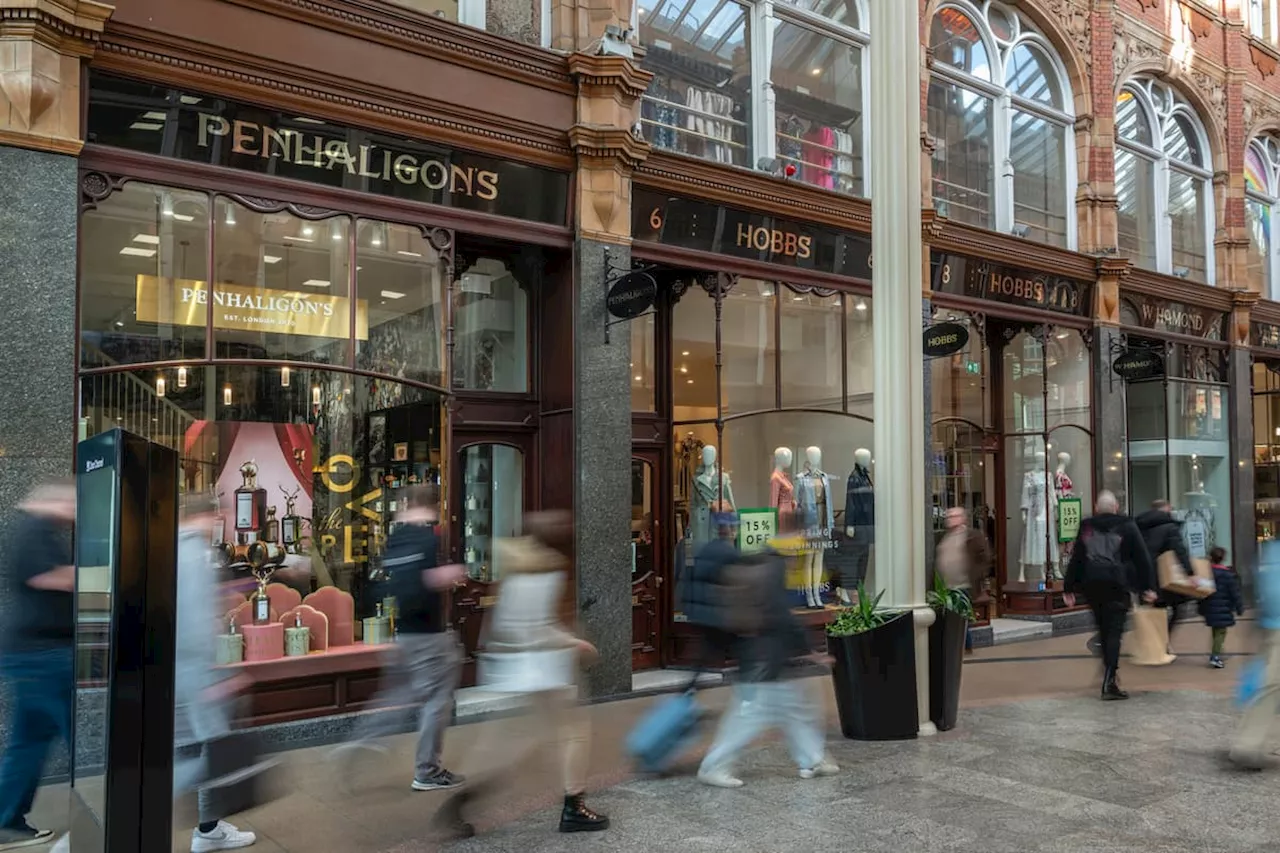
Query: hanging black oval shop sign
x=1138 y=364
x=632 y=295
x=944 y=339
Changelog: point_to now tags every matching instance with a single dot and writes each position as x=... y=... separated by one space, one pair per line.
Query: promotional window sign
x=1069 y=516
x=755 y=528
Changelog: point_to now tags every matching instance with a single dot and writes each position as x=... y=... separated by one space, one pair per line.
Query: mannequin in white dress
x=1039 y=504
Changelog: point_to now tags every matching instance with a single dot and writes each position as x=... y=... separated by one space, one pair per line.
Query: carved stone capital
x=42 y=46
x=1242 y=302
x=607 y=145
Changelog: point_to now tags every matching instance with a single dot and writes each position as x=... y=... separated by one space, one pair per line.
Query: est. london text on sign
x=707 y=227
x=183 y=302
x=204 y=129
x=756 y=527
x=981 y=279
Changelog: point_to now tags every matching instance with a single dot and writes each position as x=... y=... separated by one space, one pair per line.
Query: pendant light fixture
x=160 y=386
x=315 y=395
x=182 y=377
x=284 y=377
x=226 y=395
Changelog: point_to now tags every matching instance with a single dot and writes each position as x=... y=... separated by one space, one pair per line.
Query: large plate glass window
x=999 y=94
x=699 y=101
x=1163 y=182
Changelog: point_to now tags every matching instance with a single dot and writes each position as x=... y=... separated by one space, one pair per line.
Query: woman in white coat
x=527 y=650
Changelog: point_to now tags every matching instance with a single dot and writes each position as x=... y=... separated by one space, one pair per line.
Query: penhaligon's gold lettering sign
x=183 y=302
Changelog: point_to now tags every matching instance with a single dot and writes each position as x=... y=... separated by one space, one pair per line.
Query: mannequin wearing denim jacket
x=815 y=517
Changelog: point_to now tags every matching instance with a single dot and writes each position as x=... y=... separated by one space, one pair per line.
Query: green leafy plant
x=863 y=615
x=944 y=599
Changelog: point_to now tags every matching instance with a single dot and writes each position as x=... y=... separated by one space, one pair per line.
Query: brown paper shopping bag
x=1174 y=578
x=1149 y=639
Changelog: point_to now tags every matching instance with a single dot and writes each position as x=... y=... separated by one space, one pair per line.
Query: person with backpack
x=1109 y=565
x=703 y=598
x=767 y=696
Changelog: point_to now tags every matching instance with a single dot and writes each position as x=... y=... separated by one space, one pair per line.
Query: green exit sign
x=972 y=367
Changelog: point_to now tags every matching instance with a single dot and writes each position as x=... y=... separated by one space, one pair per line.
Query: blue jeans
x=42 y=688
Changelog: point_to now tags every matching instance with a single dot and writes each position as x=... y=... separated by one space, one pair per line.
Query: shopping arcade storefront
x=751 y=386
x=373 y=324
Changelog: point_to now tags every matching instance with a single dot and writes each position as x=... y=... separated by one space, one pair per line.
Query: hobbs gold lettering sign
x=367 y=161
x=183 y=302
x=786 y=244
x=984 y=280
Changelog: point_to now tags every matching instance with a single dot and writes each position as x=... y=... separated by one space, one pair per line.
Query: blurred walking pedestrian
x=767 y=695
x=704 y=607
x=527 y=651
x=428 y=655
x=1109 y=565
x=1221 y=609
x=1162 y=533
x=36 y=647
x=223 y=770
x=1251 y=749
x=963 y=559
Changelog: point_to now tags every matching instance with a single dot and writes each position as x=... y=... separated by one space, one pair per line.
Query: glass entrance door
x=646 y=567
x=963 y=474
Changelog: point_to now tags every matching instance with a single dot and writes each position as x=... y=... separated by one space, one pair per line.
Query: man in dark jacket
x=1162 y=532
x=1109 y=564
x=704 y=604
x=428 y=654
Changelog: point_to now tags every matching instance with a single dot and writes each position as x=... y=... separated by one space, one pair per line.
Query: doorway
x=648 y=568
x=963 y=474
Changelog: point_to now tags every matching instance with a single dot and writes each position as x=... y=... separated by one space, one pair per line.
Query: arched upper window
x=1261 y=205
x=1163 y=182
x=1001 y=116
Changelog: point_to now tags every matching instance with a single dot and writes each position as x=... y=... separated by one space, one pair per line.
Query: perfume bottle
x=251 y=504
x=271 y=531
x=470 y=556
x=260 y=603
x=291 y=524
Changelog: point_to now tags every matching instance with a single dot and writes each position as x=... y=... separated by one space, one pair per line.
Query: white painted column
x=897 y=321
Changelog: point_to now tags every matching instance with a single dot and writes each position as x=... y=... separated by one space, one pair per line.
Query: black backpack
x=1103 y=560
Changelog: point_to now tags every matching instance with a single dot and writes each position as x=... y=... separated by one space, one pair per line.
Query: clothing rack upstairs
x=809 y=108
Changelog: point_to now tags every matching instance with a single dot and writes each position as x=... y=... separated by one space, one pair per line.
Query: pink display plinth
x=283 y=597
x=263 y=642
x=313 y=619
x=340 y=607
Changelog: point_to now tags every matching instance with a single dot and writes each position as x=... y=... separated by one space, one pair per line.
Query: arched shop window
x=1000 y=114
x=305 y=391
x=795 y=97
x=1262 y=189
x=772 y=402
x=1164 y=177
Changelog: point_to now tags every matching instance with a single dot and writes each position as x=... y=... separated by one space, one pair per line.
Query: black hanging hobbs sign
x=1134 y=365
x=944 y=339
x=632 y=295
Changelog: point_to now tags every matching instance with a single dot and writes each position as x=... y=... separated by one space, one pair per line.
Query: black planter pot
x=875 y=681
x=946 y=660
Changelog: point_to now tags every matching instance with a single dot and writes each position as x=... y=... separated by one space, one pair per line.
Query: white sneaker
x=825 y=767
x=719 y=779
x=224 y=836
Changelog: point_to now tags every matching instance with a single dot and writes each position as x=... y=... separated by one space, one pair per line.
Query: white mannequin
x=782 y=491
x=815 y=506
x=1039 y=504
x=861 y=458
x=709 y=488
x=856 y=528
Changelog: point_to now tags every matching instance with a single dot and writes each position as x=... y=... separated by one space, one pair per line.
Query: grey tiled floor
x=1060 y=775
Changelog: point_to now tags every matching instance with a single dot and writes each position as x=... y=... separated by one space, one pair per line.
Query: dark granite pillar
x=602 y=456
x=1110 y=454
x=1244 y=544
x=930 y=462
x=38 y=216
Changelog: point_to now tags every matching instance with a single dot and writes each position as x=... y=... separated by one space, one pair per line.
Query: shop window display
x=644 y=364
x=1181 y=449
x=792 y=472
x=492 y=505
x=1262 y=189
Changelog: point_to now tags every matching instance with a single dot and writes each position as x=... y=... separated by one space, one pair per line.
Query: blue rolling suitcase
x=665 y=732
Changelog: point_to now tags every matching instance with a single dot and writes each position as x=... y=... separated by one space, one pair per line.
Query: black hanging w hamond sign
x=1135 y=365
x=944 y=339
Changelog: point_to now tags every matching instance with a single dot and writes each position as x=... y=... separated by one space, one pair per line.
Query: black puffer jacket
x=1162 y=532
x=1220 y=609
x=703 y=593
